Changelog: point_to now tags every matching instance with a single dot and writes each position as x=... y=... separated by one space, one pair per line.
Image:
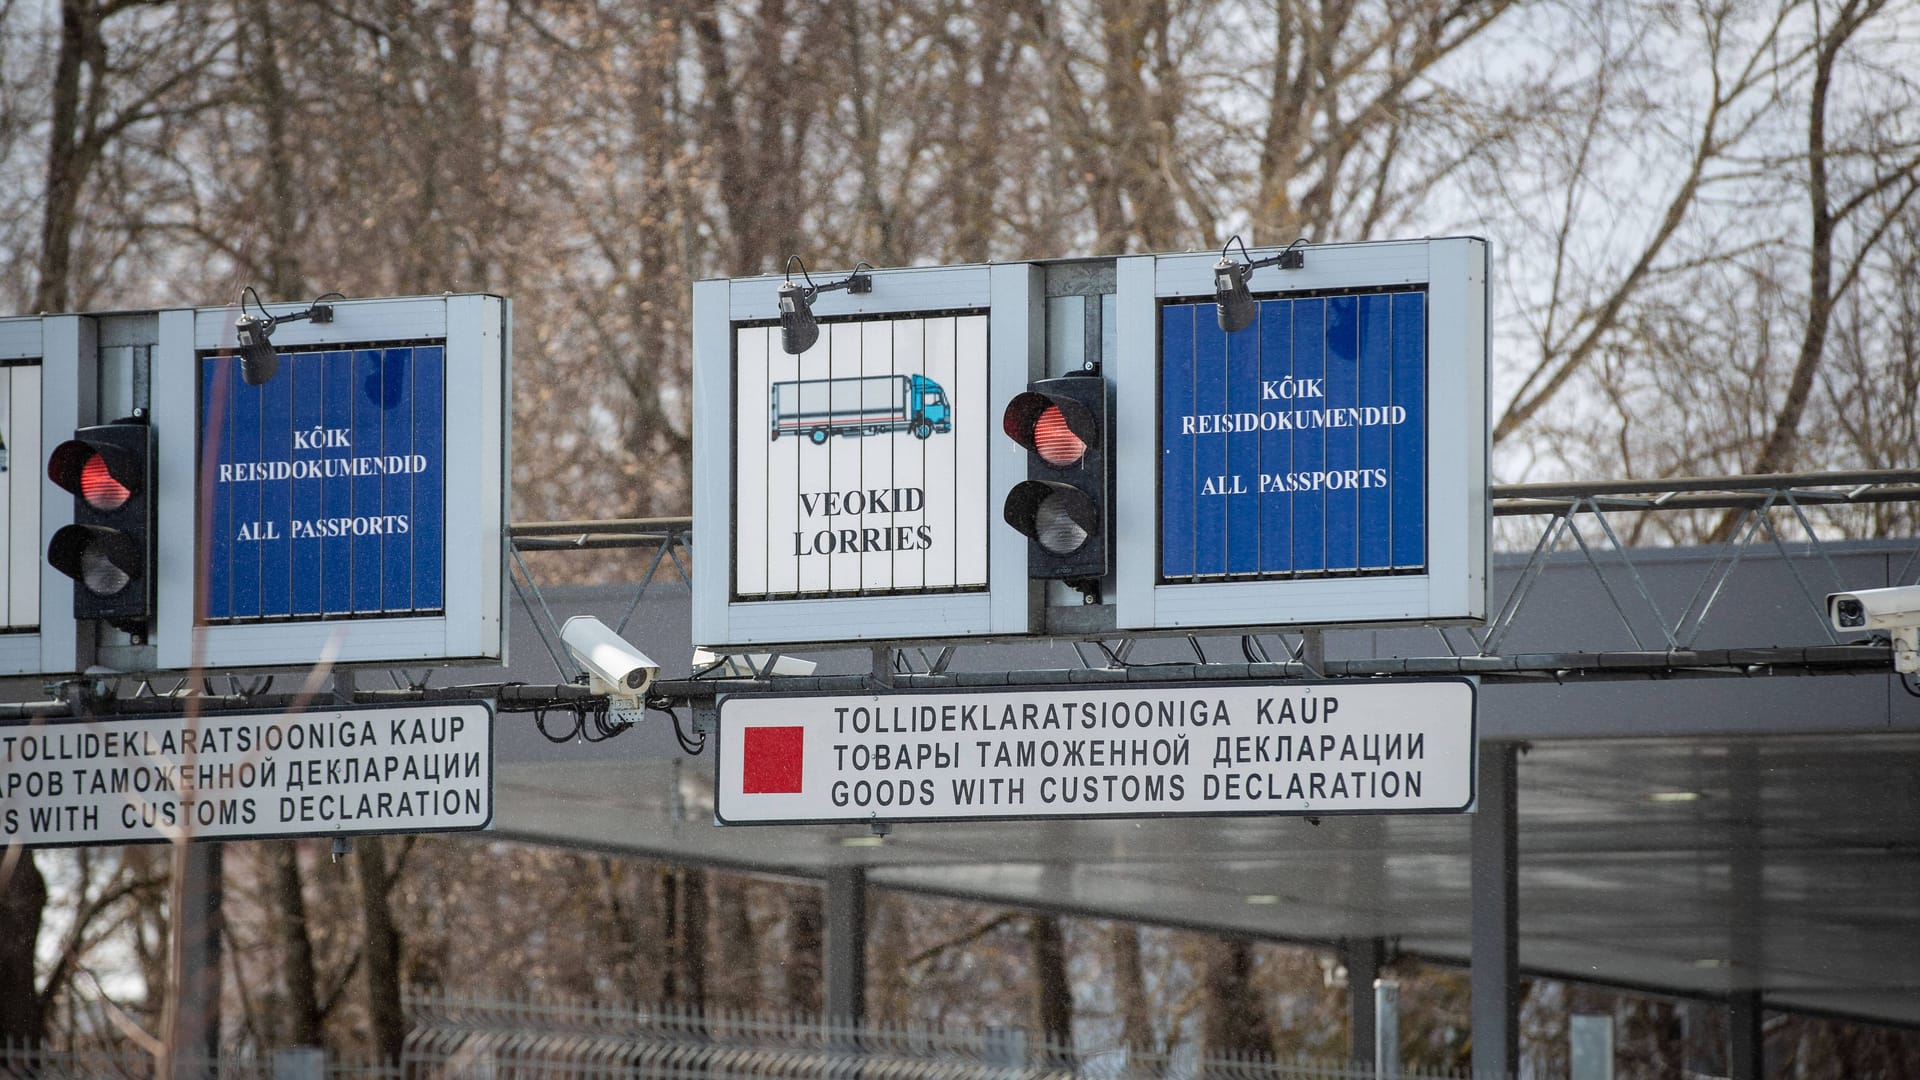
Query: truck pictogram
x=860 y=405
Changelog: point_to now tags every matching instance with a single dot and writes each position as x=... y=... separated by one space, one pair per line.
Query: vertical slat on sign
x=948 y=511
x=429 y=510
x=1410 y=438
x=1275 y=327
x=244 y=417
x=879 y=467
x=1310 y=444
x=962 y=455
x=764 y=527
x=336 y=498
x=910 y=462
x=11 y=511
x=303 y=545
x=812 y=473
x=1343 y=443
x=846 y=359
x=18 y=549
x=1209 y=450
x=1177 y=483
x=276 y=495
x=216 y=419
x=368 y=421
x=396 y=485
x=1238 y=483
x=8 y=506
x=1374 y=510
x=29 y=441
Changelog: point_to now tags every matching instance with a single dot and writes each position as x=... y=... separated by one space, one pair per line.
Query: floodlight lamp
x=798 y=328
x=1231 y=296
x=254 y=335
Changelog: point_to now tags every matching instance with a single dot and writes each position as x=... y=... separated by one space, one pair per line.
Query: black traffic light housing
x=108 y=551
x=1065 y=506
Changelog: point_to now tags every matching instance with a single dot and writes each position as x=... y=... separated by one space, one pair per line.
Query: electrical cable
x=540 y=723
x=694 y=747
x=812 y=289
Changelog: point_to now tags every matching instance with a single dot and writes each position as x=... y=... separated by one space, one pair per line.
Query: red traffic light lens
x=1055 y=441
x=100 y=489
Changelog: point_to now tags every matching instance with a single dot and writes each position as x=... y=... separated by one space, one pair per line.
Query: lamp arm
x=857 y=283
x=320 y=313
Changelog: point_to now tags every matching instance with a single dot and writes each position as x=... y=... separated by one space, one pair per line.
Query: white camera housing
x=614 y=667
x=1895 y=610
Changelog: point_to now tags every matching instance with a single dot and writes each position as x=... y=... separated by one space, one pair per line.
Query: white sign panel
x=1296 y=748
x=21 y=478
x=417 y=768
x=860 y=465
x=850 y=492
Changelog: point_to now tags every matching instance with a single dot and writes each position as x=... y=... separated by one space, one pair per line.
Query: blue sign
x=1296 y=447
x=325 y=487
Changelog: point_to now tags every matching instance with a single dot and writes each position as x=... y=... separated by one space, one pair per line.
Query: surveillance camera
x=614 y=667
x=1875 y=609
x=1896 y=610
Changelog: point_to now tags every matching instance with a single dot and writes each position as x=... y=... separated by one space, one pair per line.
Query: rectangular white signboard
x=128 y=780
x=22 y=475
x=860 y=465
x=849 y=492
x=1083 y=752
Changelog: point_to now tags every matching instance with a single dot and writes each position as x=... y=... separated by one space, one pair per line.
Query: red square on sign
x=772 y=757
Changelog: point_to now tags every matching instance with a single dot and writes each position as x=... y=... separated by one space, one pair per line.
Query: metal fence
x=483 y=1039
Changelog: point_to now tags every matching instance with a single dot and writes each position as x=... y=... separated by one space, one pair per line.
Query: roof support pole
x=194 y=1032
x=1362 y=957
x=1746 y=1042
x=1495 y=976
x=846 y=958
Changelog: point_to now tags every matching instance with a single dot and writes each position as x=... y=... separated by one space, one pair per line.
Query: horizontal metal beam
x=1525 y=668
x=1876 y=658
x=1509 y=500
x=1560 y=489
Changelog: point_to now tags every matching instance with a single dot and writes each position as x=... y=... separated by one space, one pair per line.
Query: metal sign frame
x=1011 y=297
x=477 y=331
x=65 y=347
x=1453 y=586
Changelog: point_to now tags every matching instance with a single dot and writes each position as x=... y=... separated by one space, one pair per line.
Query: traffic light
x=1065 y=506
x=108 y=550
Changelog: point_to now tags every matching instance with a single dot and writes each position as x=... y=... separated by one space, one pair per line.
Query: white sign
x=417 y=768
x=1295 y=748
x=860 y=465
x=22 y=474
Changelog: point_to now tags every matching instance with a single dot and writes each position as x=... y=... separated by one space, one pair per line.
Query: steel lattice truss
x=1802 y=518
